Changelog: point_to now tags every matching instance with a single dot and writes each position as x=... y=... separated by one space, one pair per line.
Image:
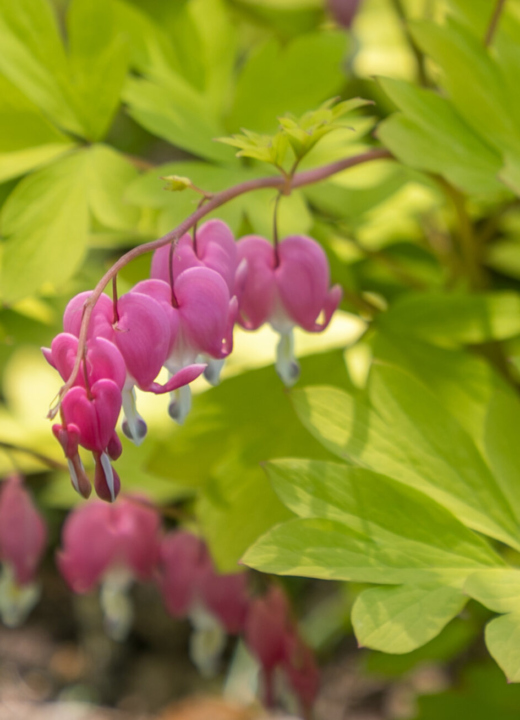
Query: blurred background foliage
x=101 y=98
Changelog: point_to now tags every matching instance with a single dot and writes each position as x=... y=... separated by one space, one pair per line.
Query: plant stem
x=54 y=464
x=309 y=177
x=469 y=245
x=416 y=50
x=493 y=23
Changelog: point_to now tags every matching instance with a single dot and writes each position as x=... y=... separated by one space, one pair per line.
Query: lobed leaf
x=402 y=619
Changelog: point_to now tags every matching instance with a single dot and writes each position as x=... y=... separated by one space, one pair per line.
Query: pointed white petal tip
x=109 y=475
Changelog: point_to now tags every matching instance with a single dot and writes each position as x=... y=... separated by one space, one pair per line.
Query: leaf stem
x=308 y=177
x=54 y=464
x=422 y=76
x=493 y=23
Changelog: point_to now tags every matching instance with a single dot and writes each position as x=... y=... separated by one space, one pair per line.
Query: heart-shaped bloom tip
x=97 y=538
x=104 y=361
x=93 y=413
x=23 y=534
x=286 y=289
x=214 y=248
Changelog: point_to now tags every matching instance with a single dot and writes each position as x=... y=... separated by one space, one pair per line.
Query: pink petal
x=217 y=249
x=23 y=534
x=89 y=545
x=226 y=597
x=179 y=379
x=142 y=335
x=204 y=309
x=183 y=559
x=259 y=294
x=95 y=418
x=100 y=320
x=302 y=278
x=161 y=292
x=267 y=626
x=139 y=535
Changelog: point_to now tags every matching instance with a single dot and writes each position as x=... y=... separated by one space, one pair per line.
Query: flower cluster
x=23 y=536
x=115 y=545
x=182 y=319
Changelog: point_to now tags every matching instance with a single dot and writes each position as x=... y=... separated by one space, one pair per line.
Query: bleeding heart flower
x=204 y=316
x=113 y=545
x=104 y=361
x=286 y=287
x=191 y=587
x=214 y=248
x=272 y=636
x=90 y=418
x=23 y=537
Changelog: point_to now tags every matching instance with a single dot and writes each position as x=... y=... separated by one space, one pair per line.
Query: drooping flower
x=215 y=603
x=111 y=545
x=286 y=286
x=89 y=419
x=103 y=360
x=23 y=537
x=203 y=318
x=273 y=638
x=213 y=246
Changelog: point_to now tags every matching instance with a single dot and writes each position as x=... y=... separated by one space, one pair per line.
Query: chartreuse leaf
x=497 y=589
x=501 y=443
x=431 y=135
x=404 y=431
x=503 y=642
x=218 y=453
x=97 y=49
x=218 y=46
x=45 y=221
x=110 y=176
x=401 y=619
x=175 y=111
x=485 y=102
x=271 y=149
x=27 y=138
x=390 y=513
x=33 y=58
x=463 y=382
x=452 y=319
x=275 y=81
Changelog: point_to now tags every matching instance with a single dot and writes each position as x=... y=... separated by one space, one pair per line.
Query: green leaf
x=503 y=642
x=173 y=110
x=110 y=176
x=45 y=220
x=329 y=550
x=27 y=138
x=271 y=149
x=217 y=453
x=385 y=509
x=237 y=492
x=404 y=432
x=33 y=59
x=97 y=49
x=430 y=135
x=275 y=81
x=463 y=382
x=501 y=444
x=399 y=620
x=485 y=102
x=451 y=319
x=218 y=46
x=497 y=589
